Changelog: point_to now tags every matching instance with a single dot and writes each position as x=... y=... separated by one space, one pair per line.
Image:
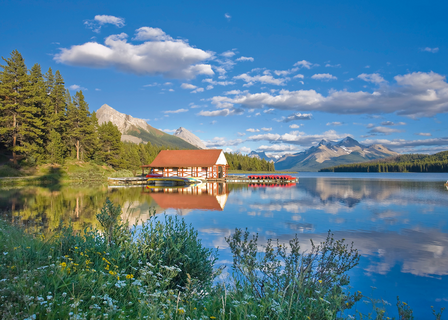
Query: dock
x=141 y=180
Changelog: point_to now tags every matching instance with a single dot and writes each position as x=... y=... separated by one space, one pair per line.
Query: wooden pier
x=229 y=179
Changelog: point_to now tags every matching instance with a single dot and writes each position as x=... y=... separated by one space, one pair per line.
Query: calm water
x=398 y=222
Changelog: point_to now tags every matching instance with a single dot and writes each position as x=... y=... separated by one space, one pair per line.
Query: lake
x=398 y=221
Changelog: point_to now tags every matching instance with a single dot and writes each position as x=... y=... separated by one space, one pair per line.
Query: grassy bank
x=162 y=271
x=70 y=171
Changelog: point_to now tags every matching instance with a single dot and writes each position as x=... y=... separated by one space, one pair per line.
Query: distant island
x=404 y=163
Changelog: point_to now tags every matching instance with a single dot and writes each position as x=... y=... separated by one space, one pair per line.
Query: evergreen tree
x=20 y=123
x=81 y=131
x=110 y=146
x=55 y=147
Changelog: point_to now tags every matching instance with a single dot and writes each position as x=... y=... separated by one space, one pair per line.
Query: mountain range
x=137 y=130
x=331 y=153
x=325 y=154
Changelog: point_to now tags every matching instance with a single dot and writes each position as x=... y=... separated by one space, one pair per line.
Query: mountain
x=189 y=137
x=331 y=153
x=137 y=130
x=260 y=155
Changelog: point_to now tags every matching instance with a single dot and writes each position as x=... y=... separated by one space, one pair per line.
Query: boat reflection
x=205 y=196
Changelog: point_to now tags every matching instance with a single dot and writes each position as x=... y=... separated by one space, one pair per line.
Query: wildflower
x=181 y=310
x=129 y=276
x=320 y=281
x=63 y=264
x=64 y=294
x=5 y=253
x=212 y=317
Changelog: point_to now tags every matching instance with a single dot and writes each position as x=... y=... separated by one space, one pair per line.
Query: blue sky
x=251 y=75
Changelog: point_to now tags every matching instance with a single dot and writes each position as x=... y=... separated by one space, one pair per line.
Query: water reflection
x=399 y=226
x=204 y=196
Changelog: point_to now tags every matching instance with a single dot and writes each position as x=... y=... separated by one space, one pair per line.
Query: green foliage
x=300 y=278
x=55 y=147
x=246 y=163
x=404 y=163
x=109 y=218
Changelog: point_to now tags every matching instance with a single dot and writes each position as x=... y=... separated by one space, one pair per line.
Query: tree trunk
x=77 y=149
x=14 y=141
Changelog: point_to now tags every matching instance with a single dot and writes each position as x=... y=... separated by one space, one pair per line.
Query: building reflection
x=211 y=196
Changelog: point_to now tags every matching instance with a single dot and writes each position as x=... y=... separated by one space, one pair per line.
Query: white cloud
x=96 y=89
x=323 y=77
x=390 y=123
x=188 y=86
x=416 y=94
x=168 y=83
x=425 y=134
x=265 y=79
x=198 y=90
x=170 y=58
x=266 y=129
x=220 y=113
x=252 y=130
x=295 y=126
x=101 y=20
x=209 y=87
x=374 y=77
x=244 y=150
x=241 y=134
x=218 y=83
x=299 y=76
x=245 y=59
x=228 y=54
x=298 y=138
x=432 y=50
x=153 y=34
x=296 y=116
x=151 y=84
x=176 y=111
x=278 y=148
x=76 y=87
x=231 y=92
x=333 y=65
x=384 y=130
x=221 y=142
x=269 y=111
x=336 y=123
x=227 y=16
x=404 y=146
x=305 y=64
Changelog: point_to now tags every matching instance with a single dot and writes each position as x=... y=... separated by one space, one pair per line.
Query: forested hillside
x=40 y=122
x=404 y=163
x=246 y=163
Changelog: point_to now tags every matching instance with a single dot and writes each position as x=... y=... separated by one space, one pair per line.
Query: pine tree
x=55 y=147
x=81 y=130
x=110 y=146
x=20 y=123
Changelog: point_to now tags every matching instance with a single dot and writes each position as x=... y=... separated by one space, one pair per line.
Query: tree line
x=404 y=163
x=41 y=122
x=246 y=163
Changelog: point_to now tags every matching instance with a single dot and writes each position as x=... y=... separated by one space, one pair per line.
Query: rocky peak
x=190 y=138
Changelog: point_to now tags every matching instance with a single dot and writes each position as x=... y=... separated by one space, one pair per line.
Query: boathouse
x=207 y=164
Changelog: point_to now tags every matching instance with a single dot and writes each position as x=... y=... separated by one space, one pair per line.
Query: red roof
x=186 y=158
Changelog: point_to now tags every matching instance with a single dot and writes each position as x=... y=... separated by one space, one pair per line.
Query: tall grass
x=160 y=270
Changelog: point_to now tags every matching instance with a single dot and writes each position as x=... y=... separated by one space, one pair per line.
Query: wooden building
x=206 y=164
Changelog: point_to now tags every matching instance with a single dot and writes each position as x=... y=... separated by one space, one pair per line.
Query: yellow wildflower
x=129 y=276
x=320 y=281
x=63 y=264
x=212 y=317
x=181 y=311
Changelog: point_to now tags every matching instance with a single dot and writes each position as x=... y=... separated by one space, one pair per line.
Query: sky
x=273 y=76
